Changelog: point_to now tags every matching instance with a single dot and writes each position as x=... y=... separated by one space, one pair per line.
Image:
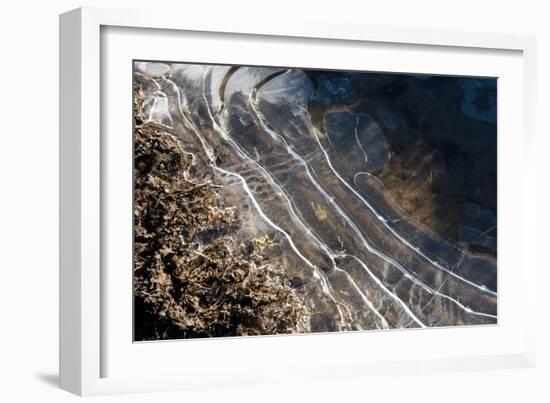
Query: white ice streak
x=156 y=108
x=217 y=76
x=246 y=78
x=368 y=302
x=268 y=220
x=358 y=142
x=457 y=264
x=391 y=294
x=296 y=90
x=152 y=69
x=207 y=149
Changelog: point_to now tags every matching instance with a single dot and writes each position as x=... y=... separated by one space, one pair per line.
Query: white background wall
x=29 y=201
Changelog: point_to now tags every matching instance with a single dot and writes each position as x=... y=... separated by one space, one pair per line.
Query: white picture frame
x=83 y=307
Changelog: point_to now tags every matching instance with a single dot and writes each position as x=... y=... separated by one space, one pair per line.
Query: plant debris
x=191 y=277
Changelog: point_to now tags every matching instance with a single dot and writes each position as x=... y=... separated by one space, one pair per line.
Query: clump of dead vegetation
x=191 y=277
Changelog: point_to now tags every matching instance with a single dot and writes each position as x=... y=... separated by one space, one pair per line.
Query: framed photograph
x=243 y=201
